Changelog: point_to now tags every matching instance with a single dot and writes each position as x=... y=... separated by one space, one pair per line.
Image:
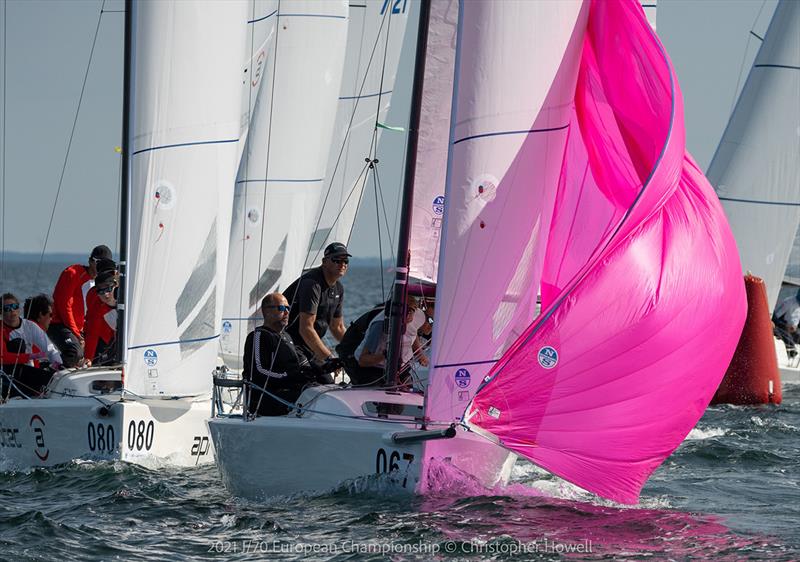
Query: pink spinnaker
x=642 y=296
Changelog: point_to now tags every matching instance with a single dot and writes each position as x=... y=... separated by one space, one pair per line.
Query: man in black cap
x=316 y=299
x=69 y=305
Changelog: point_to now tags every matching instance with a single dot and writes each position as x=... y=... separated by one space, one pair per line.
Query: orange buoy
x=753 y=376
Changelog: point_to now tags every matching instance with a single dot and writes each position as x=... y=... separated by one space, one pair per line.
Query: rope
x=69 y=144
x=3 y=156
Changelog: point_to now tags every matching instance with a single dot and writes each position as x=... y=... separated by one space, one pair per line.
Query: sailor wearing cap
x=316 y=299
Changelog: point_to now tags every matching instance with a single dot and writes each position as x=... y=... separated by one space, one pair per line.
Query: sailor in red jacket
x=69 y=306
x=101 y=319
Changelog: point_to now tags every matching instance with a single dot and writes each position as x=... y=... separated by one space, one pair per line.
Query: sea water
x=731 y=491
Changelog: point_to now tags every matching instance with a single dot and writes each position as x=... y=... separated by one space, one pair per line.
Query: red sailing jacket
x=101 y=323
x=6 y=356
x=69 y=306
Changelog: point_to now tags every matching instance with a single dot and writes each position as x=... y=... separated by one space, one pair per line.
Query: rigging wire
x=3 y=155
x=71 y=137
x=751 y=34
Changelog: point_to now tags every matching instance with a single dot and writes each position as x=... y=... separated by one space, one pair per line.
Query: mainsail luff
x=756 y=168
x=622 y=363
x=281 y=174
x=186 y=109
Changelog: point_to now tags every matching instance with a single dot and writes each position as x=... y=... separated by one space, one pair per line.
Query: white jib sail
x=282 y=170
x=186 y=114
x=650 y=8
x=434 y=133
x=516 y=67
x=756 y=169
x=374 y=40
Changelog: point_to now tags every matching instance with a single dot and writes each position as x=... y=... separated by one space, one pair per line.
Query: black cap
x=104 y=264
x=335 y=250
x=105 y=277
x=100 y=252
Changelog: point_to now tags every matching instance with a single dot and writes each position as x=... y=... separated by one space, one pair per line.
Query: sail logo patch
x=227 y=327
x=462 y=378
x=150 y=357
x=494 y=412
x=548 y=357
x=438 y=205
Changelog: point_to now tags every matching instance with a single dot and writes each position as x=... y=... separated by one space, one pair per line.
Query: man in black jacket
x=274 y=363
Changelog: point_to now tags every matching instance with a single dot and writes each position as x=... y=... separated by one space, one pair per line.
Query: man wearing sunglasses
x=24 y=345
x=101 y=318
x=273 y=363
x=69 y=305
x=317 y=299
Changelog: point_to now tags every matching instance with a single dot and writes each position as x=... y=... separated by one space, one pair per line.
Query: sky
x=45 y=48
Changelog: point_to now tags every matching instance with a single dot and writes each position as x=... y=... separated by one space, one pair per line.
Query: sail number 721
x=396 y=9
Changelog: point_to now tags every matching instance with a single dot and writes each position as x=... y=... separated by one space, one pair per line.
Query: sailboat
x=756 y=168
x=181 y=127
x=566 y=175
x=280 y=175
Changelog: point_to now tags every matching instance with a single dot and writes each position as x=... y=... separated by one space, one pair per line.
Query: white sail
x=756 y=169
x=282 y=169
x=510 y=116
x=650 y=8
x=434 y=132
x=261 y=24
x=185 y=130
x=374 y=41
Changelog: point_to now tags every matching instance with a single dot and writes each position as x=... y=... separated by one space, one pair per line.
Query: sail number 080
x=140 y=435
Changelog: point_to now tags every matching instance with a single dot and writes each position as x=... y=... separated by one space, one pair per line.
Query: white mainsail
x=375 y=37
x=756 y=169
x=283 y=166
x=509 y=130
x=185 y=132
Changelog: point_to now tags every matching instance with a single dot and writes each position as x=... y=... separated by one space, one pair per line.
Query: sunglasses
x=10 y=307
x=340 y=261
x=281 y=307
x=105 y=290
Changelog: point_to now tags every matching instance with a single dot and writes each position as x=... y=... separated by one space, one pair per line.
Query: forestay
x=282 y=169
x=756 y=169
x=510 y=130
x=186 y=114
x=374 y=40
x=643 y=300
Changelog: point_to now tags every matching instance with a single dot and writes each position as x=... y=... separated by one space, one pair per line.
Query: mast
x=125 y=183
x=399 y=292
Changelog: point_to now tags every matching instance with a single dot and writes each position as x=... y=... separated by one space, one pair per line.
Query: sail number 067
x=390 y=463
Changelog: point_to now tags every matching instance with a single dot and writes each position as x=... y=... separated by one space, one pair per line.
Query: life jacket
x=355 y=333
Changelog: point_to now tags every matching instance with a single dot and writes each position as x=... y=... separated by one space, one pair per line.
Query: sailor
x=24 y=345
x=273 y=362
x=69 y=306
x=786 y=319
x=353 y=337
x=39 y=309
x=371 y=353
x=101 y=318
x=317 y=298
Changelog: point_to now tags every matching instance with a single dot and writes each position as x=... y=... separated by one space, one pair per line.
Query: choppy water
x=730 y=492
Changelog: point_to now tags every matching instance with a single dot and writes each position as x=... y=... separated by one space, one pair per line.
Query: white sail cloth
x=756 y=169
x=186 y=105
x=283 y=166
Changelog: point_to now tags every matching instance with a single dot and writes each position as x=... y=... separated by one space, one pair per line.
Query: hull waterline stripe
x=365 y=96
x=262 y=19
x=501 y=133
x=179 y=145
x=316 y=180
x=758 y=202
x=177 y=342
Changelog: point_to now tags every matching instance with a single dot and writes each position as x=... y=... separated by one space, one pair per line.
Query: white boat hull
x=789 y=367
x=44 y=432
x=319 y=452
